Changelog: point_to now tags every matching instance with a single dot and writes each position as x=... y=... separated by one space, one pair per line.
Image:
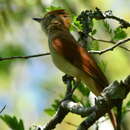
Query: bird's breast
x=63 y=64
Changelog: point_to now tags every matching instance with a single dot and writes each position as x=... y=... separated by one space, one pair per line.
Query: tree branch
x=61 y=112
x=110 y=48
x=98 y=14
x=91 y=51
x=23 y=57
x=124 y=23
x=108 y=41
x=110 y=97
x=101 y=40
x=86 y=17
x=77 y=108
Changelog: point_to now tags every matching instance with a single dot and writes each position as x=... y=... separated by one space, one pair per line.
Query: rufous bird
x=68 y=55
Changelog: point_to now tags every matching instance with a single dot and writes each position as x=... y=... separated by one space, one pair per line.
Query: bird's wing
x=79 y=57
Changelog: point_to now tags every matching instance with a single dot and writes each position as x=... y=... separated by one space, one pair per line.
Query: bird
x=68 y=56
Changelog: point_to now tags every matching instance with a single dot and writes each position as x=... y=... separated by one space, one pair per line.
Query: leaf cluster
x=86 y=23
x=13 y=122
x=54 y=106
x=52 y=8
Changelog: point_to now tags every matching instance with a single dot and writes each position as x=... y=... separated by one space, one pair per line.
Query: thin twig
x=124 y=24
x=110 y=48
x=23 y=57
x=108 y=41
x=2 y=109
x=91 y=51
x=101 y=40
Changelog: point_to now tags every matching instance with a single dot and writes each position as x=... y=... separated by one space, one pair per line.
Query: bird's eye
x=65 y=16
x=53 y=16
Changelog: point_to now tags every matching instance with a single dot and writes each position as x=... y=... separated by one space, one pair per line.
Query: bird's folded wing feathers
x=79 y=57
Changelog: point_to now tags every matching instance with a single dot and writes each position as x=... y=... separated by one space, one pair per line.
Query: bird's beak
x=37 y=19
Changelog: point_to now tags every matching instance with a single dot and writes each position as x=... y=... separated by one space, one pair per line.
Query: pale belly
x=68 y=68
x=64 y=65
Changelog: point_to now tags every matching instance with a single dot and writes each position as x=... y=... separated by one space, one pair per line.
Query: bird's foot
x=67 y=78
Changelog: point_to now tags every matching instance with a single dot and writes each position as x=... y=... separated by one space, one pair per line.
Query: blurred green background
x=27 y=87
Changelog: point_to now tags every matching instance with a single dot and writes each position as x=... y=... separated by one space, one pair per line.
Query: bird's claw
x=66 y=78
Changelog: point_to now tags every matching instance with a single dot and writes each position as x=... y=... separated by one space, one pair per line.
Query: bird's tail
x=113 y=119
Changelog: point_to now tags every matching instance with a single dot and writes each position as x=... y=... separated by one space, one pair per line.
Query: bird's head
x=54 y=17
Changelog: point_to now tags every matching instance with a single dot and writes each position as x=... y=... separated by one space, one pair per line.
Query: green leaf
x=76 y=24
x=50 y=111
x=83 y=99
x=119 y=34
x=126 y=108
x=128 y=104
x=108 y=27
x=76 y=98
x=94 y=45
x=83 y=89
x=56 y=104
x=93 y=32
x=13 y=122
x=52 y=8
